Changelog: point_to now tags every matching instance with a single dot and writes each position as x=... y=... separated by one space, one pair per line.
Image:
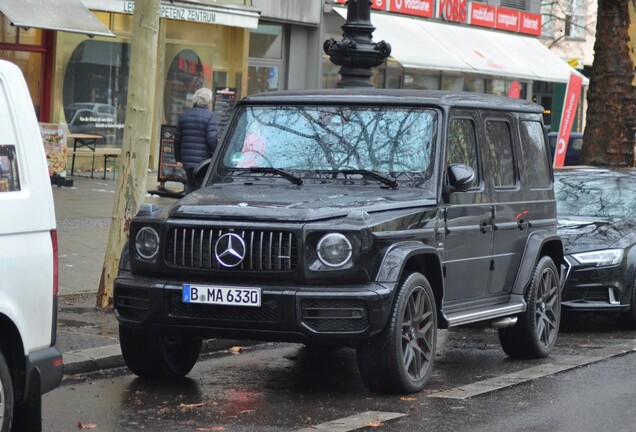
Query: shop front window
x=95 y=89
x=262 y=79
x=185 y=76
x=418 y=79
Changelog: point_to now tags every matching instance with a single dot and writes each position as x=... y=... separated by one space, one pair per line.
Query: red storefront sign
x=482 y=15
x=422 y=8
x=572 y=95
x=530 y=24
x=453 y=10
x=507 y=19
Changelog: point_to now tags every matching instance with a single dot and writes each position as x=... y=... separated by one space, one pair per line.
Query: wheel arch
x=539 y=244
x=408 y=257
x=13 y=350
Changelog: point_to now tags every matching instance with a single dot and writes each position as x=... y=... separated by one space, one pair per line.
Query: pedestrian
x=196 y=136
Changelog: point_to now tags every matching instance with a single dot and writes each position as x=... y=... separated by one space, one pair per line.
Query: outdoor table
x=84 y=140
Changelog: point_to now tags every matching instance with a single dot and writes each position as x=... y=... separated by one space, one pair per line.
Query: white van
x=30 y=364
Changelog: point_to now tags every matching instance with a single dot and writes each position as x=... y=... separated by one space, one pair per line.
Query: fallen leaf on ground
x=373 y=424
x=237 y=349
x=408 y=398
x=213 y=428
x=188 y=406
x=81 y=425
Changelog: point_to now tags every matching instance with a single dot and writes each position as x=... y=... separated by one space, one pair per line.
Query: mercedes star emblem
x=230 y=250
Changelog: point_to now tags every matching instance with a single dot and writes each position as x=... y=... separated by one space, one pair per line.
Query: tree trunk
x=611 y=114
x=131 y=186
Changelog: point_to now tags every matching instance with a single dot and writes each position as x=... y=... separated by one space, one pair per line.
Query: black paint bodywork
x=477 y=247
x=604 y=222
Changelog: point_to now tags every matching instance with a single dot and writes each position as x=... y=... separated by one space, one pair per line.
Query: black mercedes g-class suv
x=369 y=218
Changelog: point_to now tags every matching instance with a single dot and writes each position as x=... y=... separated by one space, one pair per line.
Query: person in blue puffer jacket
x=196 y=136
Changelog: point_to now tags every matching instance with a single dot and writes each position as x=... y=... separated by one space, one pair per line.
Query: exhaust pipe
x=504 y=322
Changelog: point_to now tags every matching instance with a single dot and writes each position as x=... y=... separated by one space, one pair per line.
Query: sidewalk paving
x=88 y=336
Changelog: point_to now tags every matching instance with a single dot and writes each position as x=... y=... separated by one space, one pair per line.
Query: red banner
x=423 y=8
x=572 y=95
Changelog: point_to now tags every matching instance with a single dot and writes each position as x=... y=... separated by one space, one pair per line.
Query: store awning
x=426 y=44
x=61 y=15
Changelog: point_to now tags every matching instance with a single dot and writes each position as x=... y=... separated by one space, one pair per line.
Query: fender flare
x=537 y=242
x=396 y=257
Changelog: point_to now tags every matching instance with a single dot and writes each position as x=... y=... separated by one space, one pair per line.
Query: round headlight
x=334 y=250
x=147 y=243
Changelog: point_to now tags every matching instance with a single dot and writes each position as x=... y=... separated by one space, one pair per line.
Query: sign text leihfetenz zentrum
x=179 y=13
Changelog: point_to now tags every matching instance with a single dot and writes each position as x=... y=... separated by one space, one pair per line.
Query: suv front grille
x=265 y=250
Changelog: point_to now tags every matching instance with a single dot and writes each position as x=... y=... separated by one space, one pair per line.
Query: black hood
x=295 y=203
x=581 y=234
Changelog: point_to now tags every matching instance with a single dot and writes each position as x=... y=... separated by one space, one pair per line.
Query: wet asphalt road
x=287 y=387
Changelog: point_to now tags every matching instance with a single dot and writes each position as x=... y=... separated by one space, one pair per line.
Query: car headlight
x=601 y=258
x=147 y=243
x=334 y=250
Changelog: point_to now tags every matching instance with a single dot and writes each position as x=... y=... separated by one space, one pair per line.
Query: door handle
x=484 y=227
x=521 y=224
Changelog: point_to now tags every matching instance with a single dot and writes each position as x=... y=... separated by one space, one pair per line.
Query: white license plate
x=217 y=295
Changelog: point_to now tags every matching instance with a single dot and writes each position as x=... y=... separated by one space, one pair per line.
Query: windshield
x=604 y=195
x=314 y=141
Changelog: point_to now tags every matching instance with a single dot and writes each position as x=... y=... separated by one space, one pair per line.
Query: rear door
x=511 y=212
x=26 y=215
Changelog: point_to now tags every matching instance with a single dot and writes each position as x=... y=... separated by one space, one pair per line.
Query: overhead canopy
x=427 y=44
x=62 y=15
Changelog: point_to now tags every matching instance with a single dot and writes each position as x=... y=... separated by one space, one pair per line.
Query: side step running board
x=485 y=314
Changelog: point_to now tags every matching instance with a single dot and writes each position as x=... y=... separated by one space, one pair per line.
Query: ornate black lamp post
x=356 y=53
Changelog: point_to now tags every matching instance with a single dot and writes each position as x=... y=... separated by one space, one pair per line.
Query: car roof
x=395 y=97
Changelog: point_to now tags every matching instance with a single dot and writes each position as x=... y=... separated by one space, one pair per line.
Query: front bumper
x=594 y=289
x=287 y=313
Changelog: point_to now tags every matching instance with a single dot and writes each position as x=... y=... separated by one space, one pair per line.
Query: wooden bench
x=110 y=157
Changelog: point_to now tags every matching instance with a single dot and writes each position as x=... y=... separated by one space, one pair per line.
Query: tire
x=535 y=334
x=400 y=359
x=158 y=356
x=6 y=396
x=627 y=319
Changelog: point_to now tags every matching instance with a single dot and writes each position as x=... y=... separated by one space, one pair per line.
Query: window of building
x=266 y=58
x=9 y=175
x=575 y=19
x=547 y=19
x=499 y=149
x=25 y=48
x=96 y=73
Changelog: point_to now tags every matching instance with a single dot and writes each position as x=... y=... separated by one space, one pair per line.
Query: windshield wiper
x=388 y=180
x=269 y=170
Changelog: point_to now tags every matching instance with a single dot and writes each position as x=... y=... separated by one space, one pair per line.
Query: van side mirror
x=200 y=171
x=460 y=177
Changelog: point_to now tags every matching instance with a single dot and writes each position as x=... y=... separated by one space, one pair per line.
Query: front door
x=468 y=219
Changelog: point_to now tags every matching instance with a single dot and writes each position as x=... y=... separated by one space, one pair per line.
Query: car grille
x=132 y=304
x=267 y=312
x=265 y=250
x=335 y=315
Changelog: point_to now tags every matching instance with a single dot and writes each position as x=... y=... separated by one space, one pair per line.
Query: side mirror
x=200 y=171
x=460 y=177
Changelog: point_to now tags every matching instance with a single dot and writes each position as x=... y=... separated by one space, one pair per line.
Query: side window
x=535 y=155
x=462 y=145
x=499 y=149
x=9 y=176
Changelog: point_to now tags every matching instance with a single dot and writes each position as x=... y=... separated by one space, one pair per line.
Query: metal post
x=356 y=53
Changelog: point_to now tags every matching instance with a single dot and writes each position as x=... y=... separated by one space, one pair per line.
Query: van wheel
x=158 y=356
x=535 y=335
x=400 y=358
x=6 y=396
